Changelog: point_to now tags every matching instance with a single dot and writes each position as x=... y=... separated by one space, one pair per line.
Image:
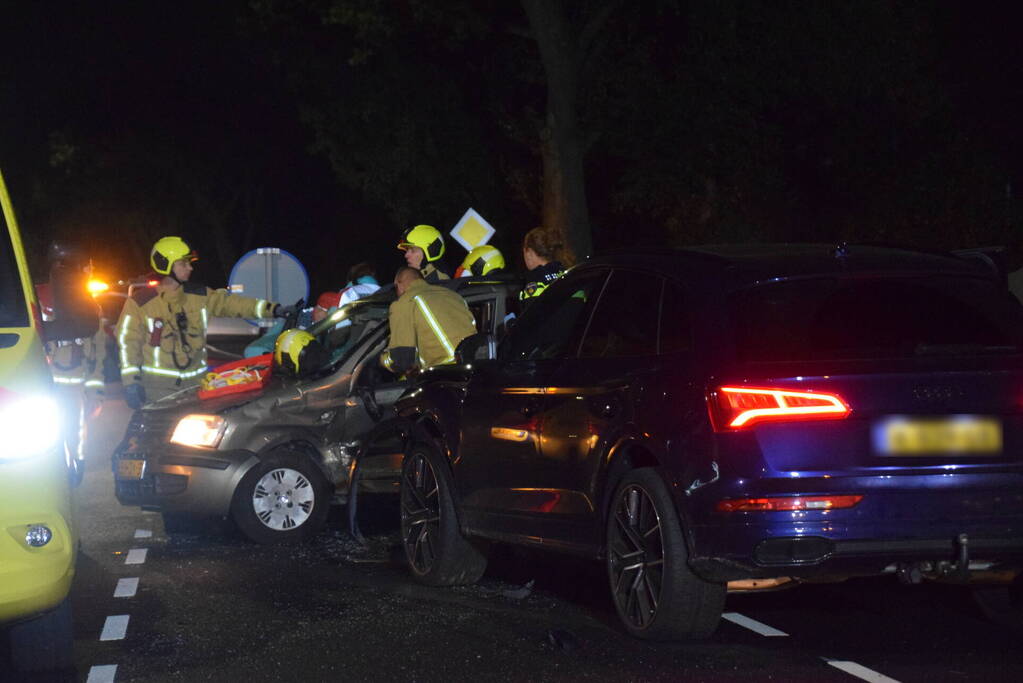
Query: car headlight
x=29 y=425
x=201 y=431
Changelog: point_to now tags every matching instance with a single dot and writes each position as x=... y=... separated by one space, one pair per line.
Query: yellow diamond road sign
x=472 y=230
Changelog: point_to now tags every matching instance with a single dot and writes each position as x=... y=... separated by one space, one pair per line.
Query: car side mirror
x=75 y=312
x=476 y=347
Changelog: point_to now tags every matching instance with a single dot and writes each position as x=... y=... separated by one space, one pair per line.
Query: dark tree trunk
x=564 y=181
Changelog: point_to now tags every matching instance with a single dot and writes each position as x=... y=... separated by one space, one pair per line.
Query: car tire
x=45 y=643
x=436 y=552
x=283 y=499
x=1003 y=604
x=656 y=594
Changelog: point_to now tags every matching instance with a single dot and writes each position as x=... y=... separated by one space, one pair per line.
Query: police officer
x=427 y=322
x=540 y=251
x=161 y=334
x=424 y=250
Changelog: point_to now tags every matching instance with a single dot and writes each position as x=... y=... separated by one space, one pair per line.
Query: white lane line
x=752 y=624
x=860 y=671
x=102 y=674
x=115 y=627
x=136 y=556
x=143 y=533
x=126 y=588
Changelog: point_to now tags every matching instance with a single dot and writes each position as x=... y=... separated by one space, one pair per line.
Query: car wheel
x=1002 y=604
x=44 y=643
x=656 y=594
x=435 y=549
x=283 y=499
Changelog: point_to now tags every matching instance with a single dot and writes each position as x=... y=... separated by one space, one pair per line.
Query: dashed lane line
x=752 y=624
x=104 y=673
x=126 y=588
x=143 y=533
x=115 y=627
x=860 y=671
x=136 y=556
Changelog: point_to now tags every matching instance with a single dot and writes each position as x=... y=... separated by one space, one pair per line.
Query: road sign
x=272 y=274
x=472 y=230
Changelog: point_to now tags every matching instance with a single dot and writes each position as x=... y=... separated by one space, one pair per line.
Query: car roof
x=745 y=264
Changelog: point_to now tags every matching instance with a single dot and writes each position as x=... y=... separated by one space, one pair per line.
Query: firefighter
x=76 y=365
x=424 y=250
x=161 y=334
x=427 y=322
x=540 y=250
x=482 y=260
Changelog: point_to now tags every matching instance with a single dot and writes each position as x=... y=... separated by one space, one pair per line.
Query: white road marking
x=136 y=556
x=860 y=671
x=752 y=624
x=115 y=627
x=143 y=533
x=126 y=588
x=102 y=674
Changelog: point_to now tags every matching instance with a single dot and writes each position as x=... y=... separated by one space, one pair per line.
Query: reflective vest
x=539 y=279
x=79 y=363
x=161 y=335
x=426 y=322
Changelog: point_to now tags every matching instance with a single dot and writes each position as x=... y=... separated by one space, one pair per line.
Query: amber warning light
x=733 y=408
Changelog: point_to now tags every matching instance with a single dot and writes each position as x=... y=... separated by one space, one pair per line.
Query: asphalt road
x=202 y=604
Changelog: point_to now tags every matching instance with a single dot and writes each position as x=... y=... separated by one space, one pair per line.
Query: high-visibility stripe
x=149 y=323
x=260 y=308
x=437 y=331
x=205 y=323
x=123 y=345
x=95 y=383
x=133 y=370
x=387 y=359
x=164 y=372
x=68 y=380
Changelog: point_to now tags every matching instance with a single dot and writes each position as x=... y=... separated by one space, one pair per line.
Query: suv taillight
x=733 y=408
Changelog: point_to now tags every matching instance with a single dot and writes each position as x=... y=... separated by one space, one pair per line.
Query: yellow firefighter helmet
x=166 y=251
x=427 y=238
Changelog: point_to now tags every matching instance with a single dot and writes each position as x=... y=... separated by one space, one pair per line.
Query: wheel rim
x=420 y=513
x=283 y=499
x=635 y=556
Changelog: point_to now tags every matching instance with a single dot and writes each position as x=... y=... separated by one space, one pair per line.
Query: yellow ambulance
x=38 y=539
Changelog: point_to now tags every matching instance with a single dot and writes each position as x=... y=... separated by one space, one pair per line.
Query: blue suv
x=732 y=418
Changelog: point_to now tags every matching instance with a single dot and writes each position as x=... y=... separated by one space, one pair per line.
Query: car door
x=592 y=400
x=504 y=404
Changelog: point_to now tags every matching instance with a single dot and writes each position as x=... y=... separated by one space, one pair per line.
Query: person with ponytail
x=542 y=251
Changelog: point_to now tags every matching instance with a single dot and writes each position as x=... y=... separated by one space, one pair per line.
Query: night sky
x=124 y=121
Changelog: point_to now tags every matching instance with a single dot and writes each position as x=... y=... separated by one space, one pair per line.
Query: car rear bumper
x=899 y=520
x=185 y=480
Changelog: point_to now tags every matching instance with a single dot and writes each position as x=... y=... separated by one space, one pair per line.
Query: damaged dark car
x=273 y=459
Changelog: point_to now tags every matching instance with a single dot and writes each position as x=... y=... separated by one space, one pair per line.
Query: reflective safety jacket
x=79 y=363
x=539 y=279
x=433 y=273
x=427 y=322
x=161 y=335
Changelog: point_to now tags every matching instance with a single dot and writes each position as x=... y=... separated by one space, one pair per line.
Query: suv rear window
x=850 y=318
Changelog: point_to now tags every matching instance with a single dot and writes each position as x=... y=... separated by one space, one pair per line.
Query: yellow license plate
x=957 y=434
x=130 y=469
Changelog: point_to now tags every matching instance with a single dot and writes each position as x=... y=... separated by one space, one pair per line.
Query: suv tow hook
x=963 y=557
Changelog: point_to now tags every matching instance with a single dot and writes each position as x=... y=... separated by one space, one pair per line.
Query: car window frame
x=596 y=307
x=561 y=283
